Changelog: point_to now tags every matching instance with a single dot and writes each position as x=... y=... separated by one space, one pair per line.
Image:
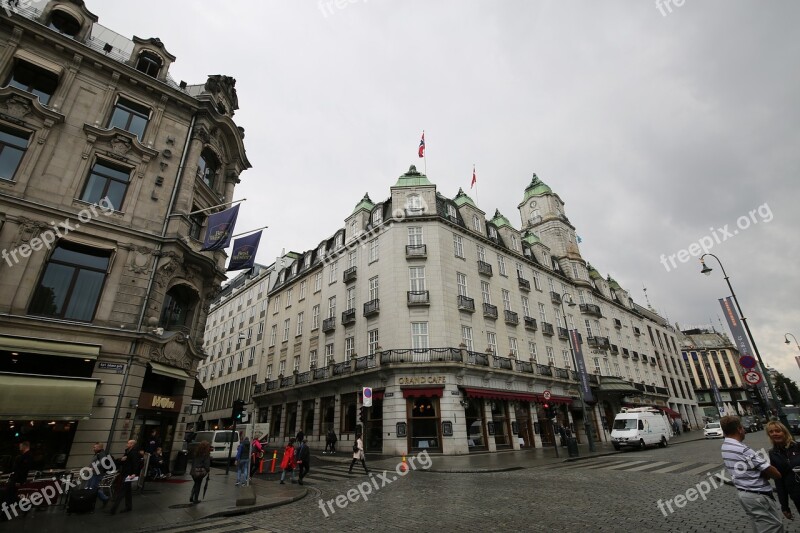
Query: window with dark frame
x=13 y=144
x=32 y=79
x=208 y=167
x=71 y=284
x=197 y=221
x=107 y=180
x=149 y=63
x=178 y=307
x=130 y=117
x=63 y=22
x=349 y=404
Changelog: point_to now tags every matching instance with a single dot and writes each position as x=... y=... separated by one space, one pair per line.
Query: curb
x=237 y=511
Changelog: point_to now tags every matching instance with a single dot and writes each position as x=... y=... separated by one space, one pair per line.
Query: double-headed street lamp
x=586 y=424
x=707 y=271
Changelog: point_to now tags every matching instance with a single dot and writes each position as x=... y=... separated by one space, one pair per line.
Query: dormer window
x=451 y=211
x=294 y=269
x=476 y=223
x=208 y=167
x=149 y=63
x=514 y=242
x=339 y=240
x=307 y=261
x=414 y=203
x=35 y=80
x=376 y=217
x=63 y=22
x=492 y=232
x=321 y=251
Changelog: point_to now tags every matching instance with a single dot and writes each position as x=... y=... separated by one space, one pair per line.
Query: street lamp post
x=786 y=338
x=586 y=424
x=707 y=271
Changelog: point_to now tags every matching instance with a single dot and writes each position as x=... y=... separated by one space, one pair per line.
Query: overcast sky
x=653 y=126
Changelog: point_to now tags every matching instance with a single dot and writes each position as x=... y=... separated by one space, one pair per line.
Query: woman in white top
x=358 y=454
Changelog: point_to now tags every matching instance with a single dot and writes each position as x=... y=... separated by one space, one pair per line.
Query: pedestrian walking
x=749 y=473
x=785 y=457
x=130 y=464
x=201 y=467
x=330 y=441
x=256 y=456
x=19 y=472
x=243 y=462
x=288 y=462
x=99 y=472
x=303 y=460
x=358 y=454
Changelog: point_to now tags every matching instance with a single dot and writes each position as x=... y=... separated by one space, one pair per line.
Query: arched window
x=63 y=22
x=179 y=304
x=149 y=63
x=208 y=167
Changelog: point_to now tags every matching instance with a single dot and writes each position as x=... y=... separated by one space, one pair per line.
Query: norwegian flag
x=421 y=151
x=474 y=178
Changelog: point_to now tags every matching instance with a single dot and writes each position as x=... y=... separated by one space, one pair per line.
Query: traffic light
x=549 y=410
x=238 y=411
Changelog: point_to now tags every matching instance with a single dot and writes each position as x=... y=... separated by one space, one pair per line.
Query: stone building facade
x=460 y=326
x=106 y=164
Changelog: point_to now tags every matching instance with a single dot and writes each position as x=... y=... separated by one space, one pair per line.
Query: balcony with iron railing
x=502 y=362
x=544 y=370
x=547 y=329
x=490 y=311
x=349 y=274
x=524 y=366
x=634 y=356
x=636 y=331
x=466 y=304
x=511 y=317
x=372 y=307
x=341 y=368
x=625 y=353
x=562 y=373
x=524 y=284
x=303 y=377
x=484 y=268
x=591 y=309
x=530 y=323
x=348 y=317
x=563 y=334
x=555 y=297
x=416 y=251
x=617 y=323
x=364 y=363
x=329 y=324
x=614 y=349
x=418 y=298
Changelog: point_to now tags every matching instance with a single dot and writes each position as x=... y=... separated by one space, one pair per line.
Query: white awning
x=32 y=397
x=169 y=371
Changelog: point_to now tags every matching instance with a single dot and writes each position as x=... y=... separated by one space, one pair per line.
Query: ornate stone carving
x=140 y=260
x=120 y=145
x=17 y=107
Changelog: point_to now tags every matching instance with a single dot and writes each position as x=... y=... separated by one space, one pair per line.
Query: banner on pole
x=220 y=229
x=244 y=252
x=583 y=376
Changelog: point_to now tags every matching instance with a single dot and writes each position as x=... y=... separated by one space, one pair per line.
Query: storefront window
x=349 y=404
x=424 y=422
x=327 y=412
x=474 y=419
x=291 y=420
x=373 y=430
x=500 y=422
x=308 y=417
x=277 y=411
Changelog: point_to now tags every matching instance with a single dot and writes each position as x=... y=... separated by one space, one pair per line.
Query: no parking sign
x=366 y=393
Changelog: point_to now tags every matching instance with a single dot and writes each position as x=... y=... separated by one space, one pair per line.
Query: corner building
x=456 y=323
x=106 y=164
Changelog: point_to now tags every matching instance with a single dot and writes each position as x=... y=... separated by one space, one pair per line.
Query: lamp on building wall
x=707 y=271
x=566 y=297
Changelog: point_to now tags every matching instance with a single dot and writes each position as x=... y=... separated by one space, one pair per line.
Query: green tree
x=781 y=384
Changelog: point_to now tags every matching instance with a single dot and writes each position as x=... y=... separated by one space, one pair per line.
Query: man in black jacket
x=129 y=466
x=19 y=472
x=303 y=459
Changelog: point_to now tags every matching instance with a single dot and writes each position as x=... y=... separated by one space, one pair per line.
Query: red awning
x=499 y=395
x=423 y=392
x=554 y=399
x=672 y=413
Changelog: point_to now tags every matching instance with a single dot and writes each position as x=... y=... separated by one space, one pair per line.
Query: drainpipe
x=159 y=245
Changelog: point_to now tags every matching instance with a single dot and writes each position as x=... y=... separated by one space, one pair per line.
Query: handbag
x=355 y=447
x=199 y=472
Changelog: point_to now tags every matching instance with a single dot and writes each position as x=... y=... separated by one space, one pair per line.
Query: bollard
x=403 y=465
x=274 y=457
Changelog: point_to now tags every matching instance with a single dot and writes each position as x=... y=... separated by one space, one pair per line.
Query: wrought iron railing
x=547 y=329
x=511 y=317
x=484 y=268
x=349 y=274
x=466 y=303
x=372 y=307
x=524 y=284
x=418 y=297
x=416 y=251
x=489 y=311
x=530 y=323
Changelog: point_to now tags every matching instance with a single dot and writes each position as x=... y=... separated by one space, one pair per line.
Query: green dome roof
x=536 y=188
x=499 y=220
x=613 y=284
x=365 y=204
x=530 y=237
x=412 y=178
x=462 y=198
x=593 y=274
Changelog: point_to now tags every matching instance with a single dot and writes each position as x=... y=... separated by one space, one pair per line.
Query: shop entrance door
x=373 y=427
x=524 y=425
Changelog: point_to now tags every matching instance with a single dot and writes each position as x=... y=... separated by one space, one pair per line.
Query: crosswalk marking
x=648 y=466
x=640 y=465
x=624 y=465
x=668 y=469
x=213 y=525
x=703 y=469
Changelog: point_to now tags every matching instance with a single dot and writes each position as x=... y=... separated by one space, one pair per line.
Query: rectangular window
x=269 y=372
x=520 y=270
x=551 y=284
x=537 y=284
x=491 y=340
x=106 y=181
x=71 y=284
x=373 y=250
x=130 y=117
x=372 y=341
x=328 y=354
x=273 y=334
x=501 y=265
x=289 y=297
x=312 y=359
x=542 y=313
x=349 y=347
x=415 y=236
x=315 y=317
x=486 y=292
x=296 y=363
x=526 y=311
x=282 y=367
x=567 y=358
x=419 y=335
x=417 y=278
x=332 y=307
x=351 y=298
x=300 y=317
x=373 y=288
x=276 y=304
x=588 y=328
x=286 y=330
x=35 y=80
x=332 y=272
x=506 y=300
x=551 y=358
x=481 y=253
x=512 y=347
x=13 y=144
x=532 y=352
x=318 y=282
x=461 y=282
x=302 y=290
x=466 y=337
x=458 y=245
x=352 y=259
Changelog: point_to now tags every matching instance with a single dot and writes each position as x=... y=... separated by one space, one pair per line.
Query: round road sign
x=747 y=361
x=752 y=377
x=546 y=395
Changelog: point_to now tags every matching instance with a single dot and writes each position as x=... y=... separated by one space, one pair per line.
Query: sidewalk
x=166 y=503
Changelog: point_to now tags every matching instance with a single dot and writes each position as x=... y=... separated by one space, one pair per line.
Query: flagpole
x=476 y=186
x=250 y=231
x=207 y=208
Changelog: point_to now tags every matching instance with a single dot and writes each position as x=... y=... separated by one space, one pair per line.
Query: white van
x=639 y=427
x=220 y=441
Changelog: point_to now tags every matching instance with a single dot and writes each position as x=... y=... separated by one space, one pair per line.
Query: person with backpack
x=288 y=461
x=243 y=462
x=99 y=472
x=358 y=454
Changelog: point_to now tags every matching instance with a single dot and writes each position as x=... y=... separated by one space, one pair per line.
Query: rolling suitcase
x=81 y=501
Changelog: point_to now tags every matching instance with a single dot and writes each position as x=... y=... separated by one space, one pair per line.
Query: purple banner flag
x=244 y=252
x=220 y=229
x=741 y=340
x=583 y=376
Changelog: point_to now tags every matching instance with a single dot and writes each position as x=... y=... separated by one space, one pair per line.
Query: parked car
x=794 y=423
x=752 y=423
x=713 y=431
